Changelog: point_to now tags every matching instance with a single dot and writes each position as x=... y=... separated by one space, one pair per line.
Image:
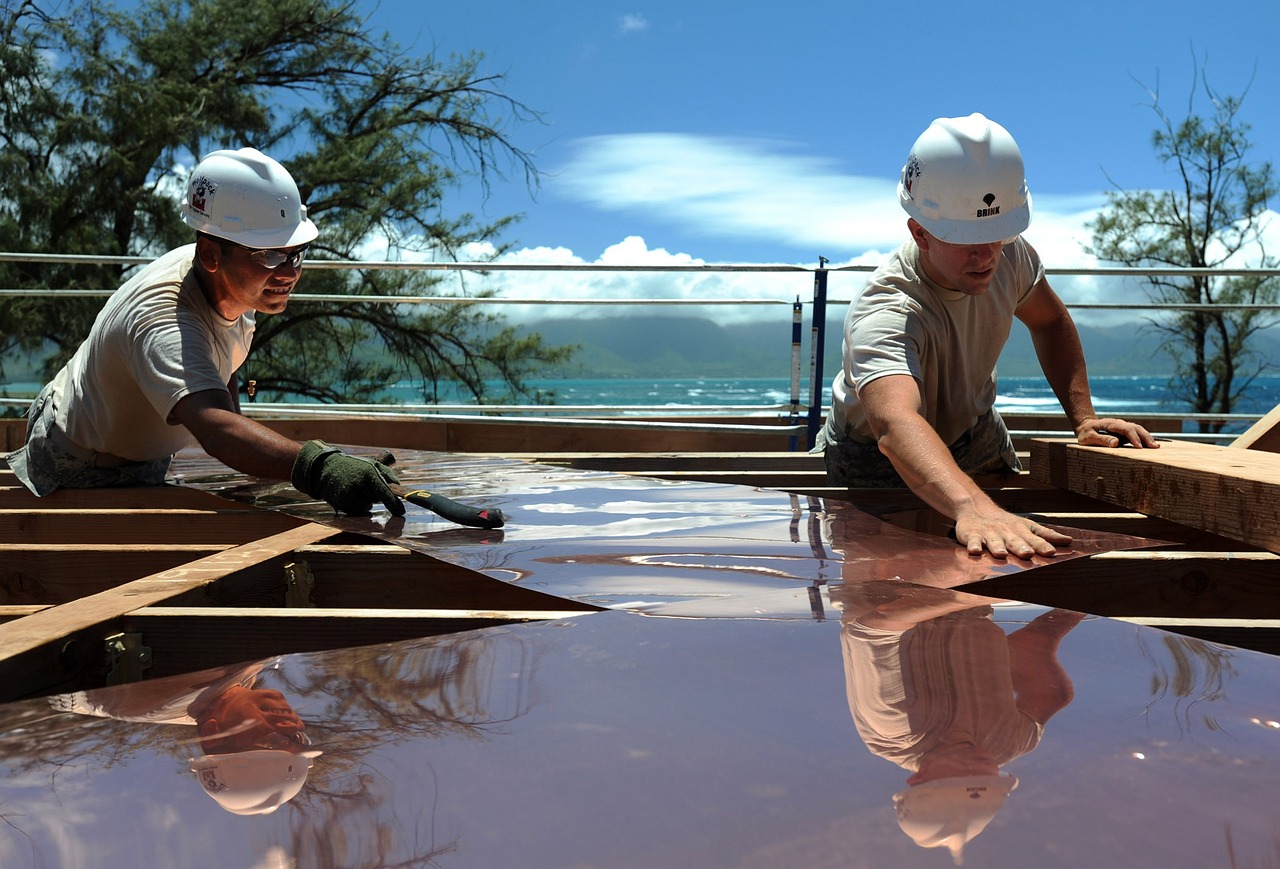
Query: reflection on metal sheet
x=633 y=542
x=619 y=740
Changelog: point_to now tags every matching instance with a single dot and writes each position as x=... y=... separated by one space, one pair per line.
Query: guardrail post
x=818 y=332
x=797 y=316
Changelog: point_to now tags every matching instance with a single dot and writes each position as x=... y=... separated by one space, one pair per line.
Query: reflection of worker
x=254 y=748
x=937 y=687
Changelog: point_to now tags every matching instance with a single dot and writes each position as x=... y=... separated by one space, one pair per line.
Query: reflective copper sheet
x=614 y=739
x=634 y=542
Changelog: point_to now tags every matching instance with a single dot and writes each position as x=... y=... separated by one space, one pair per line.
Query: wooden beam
x=1164 y=584
x=152 y=525
x=57 y=573
x=1231 y=492
x=1263 y=435
x=61 y=645
x=182 y=639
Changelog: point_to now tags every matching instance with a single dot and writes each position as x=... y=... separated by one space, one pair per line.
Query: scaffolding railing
x=802 y=414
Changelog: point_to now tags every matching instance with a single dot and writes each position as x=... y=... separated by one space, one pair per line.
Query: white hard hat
x=964 y=182
x=246 y=197
x=950 y=812
x=253 y=782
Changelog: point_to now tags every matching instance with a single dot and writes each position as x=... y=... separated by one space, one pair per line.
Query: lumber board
x=15 y=496
x=150 y=525
x=371 y=576
x=1231 y=492
x=1263 y=435
x=182 y=639
x=55 y=574
x=1165 y=584
x=57 y=646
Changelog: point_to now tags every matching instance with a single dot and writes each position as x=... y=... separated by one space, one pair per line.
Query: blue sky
x=753 y=132
x=774 y=132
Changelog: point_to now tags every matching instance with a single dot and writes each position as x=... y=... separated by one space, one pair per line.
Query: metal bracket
x=126 y=658
x=300 y=584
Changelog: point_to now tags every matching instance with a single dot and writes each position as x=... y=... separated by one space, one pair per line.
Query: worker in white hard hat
x=936 y=687
x=158 y=371
x=914 y=401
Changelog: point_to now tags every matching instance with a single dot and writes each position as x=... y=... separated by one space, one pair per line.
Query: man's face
x=242 y=282
x=967 y=268
x=242 y=719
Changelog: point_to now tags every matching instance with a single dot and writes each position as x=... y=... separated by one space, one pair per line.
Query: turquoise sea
x=1112 y=395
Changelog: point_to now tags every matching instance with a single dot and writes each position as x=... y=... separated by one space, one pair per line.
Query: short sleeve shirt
x=904 y=323
x=155 y=341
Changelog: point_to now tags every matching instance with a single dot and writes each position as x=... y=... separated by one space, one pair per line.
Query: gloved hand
x=351 y=484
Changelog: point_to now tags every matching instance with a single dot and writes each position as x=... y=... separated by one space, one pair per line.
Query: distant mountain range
x=674 y=346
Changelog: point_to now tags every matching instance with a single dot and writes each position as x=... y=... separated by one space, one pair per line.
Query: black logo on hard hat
x=202 y=190
x=910 y=172
x=989 y=211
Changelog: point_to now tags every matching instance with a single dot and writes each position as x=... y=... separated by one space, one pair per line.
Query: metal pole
x=818 y=329
x=797 y=315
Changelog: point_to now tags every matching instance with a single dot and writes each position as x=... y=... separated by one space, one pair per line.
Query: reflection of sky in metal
x=615 y=740
x=619 y=540
x=719 y=728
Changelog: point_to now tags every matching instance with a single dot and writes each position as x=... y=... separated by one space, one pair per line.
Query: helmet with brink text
x=964 y=182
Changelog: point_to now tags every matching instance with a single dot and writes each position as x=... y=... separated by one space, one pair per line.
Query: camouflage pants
x=50 y=460
x=986 y=448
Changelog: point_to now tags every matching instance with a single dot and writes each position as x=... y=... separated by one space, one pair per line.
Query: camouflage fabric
x=49 y=460
x=986 y=448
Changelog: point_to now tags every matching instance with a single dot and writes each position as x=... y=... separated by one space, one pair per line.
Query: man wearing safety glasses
x=158 y=370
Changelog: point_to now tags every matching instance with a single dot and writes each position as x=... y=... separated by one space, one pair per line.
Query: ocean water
x=1111 y=395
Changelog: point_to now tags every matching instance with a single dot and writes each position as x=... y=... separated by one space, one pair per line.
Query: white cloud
x=759 y=189
x=633 y=23
x=740 y=188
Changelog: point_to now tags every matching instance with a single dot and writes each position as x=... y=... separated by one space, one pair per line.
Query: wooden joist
x=59 y=644
x=182 y=639
x=1226 y=491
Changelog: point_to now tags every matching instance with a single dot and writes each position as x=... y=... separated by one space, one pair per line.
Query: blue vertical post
x=818 y=329
x=797 y=318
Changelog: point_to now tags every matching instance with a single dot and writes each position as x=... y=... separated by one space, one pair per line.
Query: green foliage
x=1213 y=219
x=102 y=113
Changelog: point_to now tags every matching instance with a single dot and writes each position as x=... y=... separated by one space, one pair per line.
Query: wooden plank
x=62 y=645
x=14 y=496
x=1166 y=584
x=1263 y=435
x=152 y=525
x=54 y=573
x=183 y=639
x=1231 y=492
x=371 y=576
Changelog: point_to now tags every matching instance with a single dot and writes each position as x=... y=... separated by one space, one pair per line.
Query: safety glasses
x=273 y=259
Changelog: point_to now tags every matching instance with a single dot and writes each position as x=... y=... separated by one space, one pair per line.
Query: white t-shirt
x=156 y=340
x=903 y=323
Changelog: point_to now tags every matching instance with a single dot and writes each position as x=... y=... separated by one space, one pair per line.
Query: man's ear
x=918 y=234
x=207 y=728
x=208 y=253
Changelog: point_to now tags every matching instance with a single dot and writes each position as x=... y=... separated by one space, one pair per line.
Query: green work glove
x=350 y=484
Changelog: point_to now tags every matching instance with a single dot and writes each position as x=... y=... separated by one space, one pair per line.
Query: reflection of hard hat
x=246 y=197
x=951 y=811
x=964 y=182
x=253 y=782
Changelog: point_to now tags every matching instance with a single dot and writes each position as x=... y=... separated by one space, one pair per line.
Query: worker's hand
x=1111 y=432
x=350 y=484
x=1004 y=534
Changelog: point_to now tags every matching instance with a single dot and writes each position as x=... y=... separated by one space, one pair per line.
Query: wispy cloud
x=761 y=189
x=633 y=22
